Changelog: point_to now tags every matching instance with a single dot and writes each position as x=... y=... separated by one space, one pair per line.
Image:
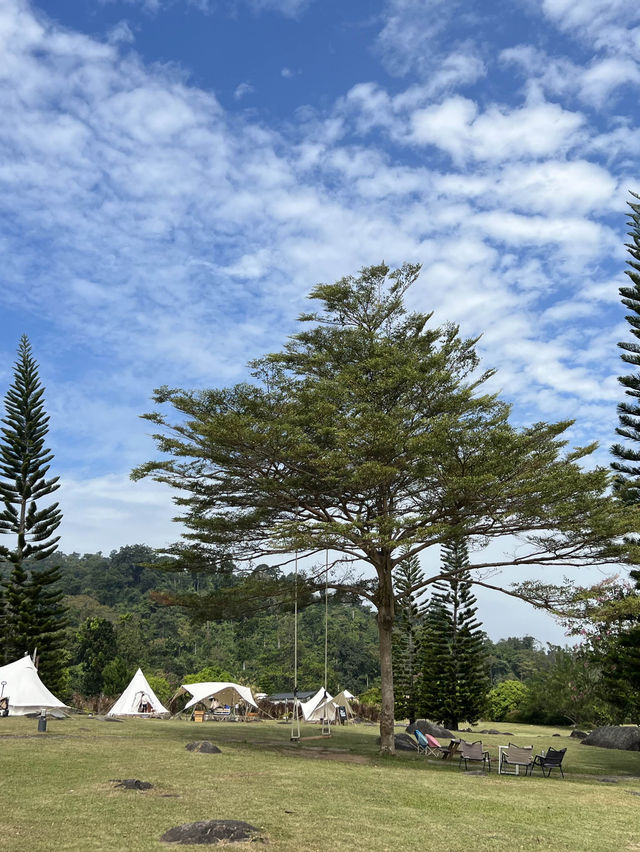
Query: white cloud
x=594 y=84
x=153 y=238
x=242 y=90
x=607 y=24
x=457 y=127
x=107 y=512
x=412 y=39
x=121 y=33
x=289 y=8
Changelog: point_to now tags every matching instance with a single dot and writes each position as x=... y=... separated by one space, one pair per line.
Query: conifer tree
x=627 y=458
x=406 y=636
x=33 y=613
x=454 y=678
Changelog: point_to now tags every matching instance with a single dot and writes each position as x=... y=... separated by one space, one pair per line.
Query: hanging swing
x=326 y=721
x=295 y=719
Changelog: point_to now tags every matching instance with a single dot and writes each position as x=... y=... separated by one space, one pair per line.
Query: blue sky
x=176 y=175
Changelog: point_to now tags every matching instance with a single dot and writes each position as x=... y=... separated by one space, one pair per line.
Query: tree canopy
x=371 y=435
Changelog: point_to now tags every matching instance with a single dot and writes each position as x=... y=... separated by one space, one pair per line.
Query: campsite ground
x=56 y=790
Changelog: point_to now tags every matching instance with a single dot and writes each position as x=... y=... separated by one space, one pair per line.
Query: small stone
x=212 y=831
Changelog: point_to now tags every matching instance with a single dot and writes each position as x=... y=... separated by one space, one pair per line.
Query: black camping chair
x=551 y=760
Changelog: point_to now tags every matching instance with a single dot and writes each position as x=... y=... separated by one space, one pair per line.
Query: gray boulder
x=625 y=737
x=212 y=831
x=426 y=727
x=204 y=747
x=578 y=735
x=403 y=742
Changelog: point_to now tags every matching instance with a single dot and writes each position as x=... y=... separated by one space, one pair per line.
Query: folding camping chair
x=552 y=759
x=428 y=745
x=473 y=752
x=516 y=756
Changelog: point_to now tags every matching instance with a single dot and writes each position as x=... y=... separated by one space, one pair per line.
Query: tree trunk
x=385 y=628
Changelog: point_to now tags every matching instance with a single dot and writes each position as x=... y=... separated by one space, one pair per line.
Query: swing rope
x=295 y=719
x=326 y=721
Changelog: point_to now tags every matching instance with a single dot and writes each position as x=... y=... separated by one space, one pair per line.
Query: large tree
x=453 y=659
x=627 y=458
x=34 y=615
x=370 y=435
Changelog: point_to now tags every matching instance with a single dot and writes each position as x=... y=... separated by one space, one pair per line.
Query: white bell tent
x=24 y=691
x=318 y=707
x=214 y=693
x=138 y=699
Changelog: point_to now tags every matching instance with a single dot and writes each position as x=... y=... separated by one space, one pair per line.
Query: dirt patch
x=213 y=831
x=324 y=754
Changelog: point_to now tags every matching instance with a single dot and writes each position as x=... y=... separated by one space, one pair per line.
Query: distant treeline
x=115 y=625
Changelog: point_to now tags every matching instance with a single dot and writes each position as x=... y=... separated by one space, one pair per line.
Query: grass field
x=56 y=791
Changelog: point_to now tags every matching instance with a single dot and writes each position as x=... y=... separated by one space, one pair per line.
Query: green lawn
x=55 y=790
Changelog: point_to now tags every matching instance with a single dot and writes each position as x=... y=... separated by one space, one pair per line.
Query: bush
x=504 y=700
x=162 y=688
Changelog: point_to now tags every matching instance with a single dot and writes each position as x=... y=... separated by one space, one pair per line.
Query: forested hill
x=115 y=626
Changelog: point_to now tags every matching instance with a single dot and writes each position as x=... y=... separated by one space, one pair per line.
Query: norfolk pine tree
x=454 y=670
x=34 y=616
x=406 y=638
x=627 y=462
x=369 y=435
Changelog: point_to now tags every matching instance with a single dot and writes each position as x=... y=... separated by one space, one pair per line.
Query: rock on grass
x=203 y=746
x=212 y=831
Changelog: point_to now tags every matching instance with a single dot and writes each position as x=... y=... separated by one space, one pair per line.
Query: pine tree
x=454 y=677
x=406 y=636
x=628 y=465
x=33 y=613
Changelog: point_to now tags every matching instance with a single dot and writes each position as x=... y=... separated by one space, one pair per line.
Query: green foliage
x=161 y=686
x=372 y=697
x=33 y=613
x=116 y=676
x=505 y=699
x=96 y=647
x=570 y=691
x=515 y=658
x=454 y=676
x=210 y=673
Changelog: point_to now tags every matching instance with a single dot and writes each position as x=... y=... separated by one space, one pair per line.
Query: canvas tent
x=138 y=699
x=324 y=706
x=342 y=700
x=22 y=690
x=215 y=693
x=318 y=707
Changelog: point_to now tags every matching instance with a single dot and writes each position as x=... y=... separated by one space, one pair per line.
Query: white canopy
x=138 y=699
x=348 y=695
x=19 y=682
x=223 y=693
x=315 y=709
